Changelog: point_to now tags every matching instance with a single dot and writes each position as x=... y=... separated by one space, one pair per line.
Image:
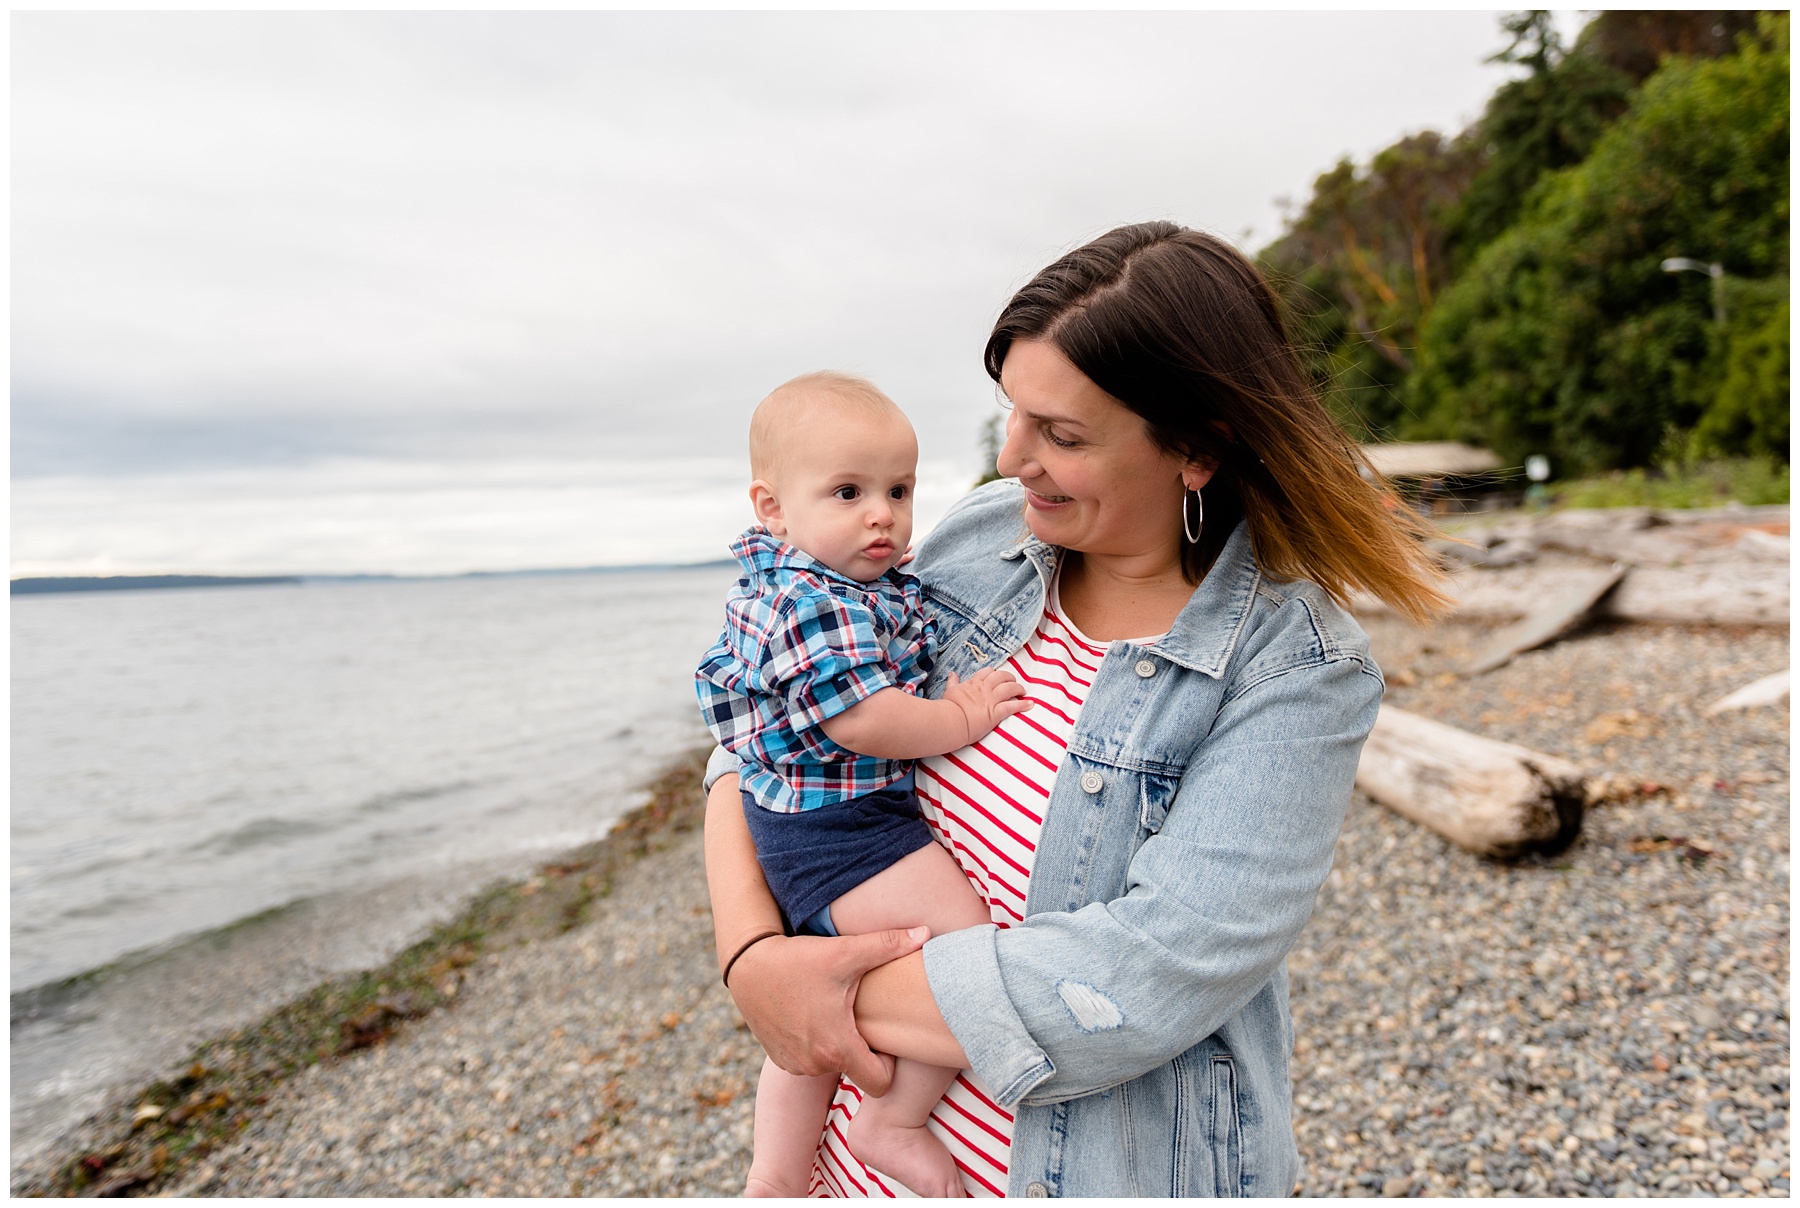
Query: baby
x=813 y=685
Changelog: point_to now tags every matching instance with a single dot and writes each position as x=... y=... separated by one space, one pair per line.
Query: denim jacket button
x=1146 y=668
x=1037 y=1191
x=1091 y=781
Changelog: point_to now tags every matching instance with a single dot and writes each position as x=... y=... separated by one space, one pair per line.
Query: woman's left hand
x=798 y=995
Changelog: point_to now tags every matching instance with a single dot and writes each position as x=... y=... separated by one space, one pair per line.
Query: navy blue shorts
x=814 y=857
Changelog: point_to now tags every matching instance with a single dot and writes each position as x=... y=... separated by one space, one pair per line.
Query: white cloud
x=349 y=517
x=305 y=239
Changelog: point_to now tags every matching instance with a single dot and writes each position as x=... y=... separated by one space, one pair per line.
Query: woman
x=1150 y=840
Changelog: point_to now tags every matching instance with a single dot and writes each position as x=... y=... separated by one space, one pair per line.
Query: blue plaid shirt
x=802 y=644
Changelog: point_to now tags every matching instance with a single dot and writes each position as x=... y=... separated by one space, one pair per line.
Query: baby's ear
x=767 y=508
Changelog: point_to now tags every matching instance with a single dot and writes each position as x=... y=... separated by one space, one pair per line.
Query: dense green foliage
x=1548 y=120
x=1565 y=335
x=1505 y=286
x=1750 y=410
x=1636 y=40
x=1361 y=265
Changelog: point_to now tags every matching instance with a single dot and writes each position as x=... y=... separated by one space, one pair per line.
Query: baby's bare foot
x=912 y=1155
x=758 y=1188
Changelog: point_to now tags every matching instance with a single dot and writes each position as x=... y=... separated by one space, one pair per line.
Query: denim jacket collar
x=1206 y=629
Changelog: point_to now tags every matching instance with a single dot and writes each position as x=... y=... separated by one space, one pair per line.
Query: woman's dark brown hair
x=1179 y=327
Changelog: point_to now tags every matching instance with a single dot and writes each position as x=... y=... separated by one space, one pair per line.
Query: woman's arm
x=896 y=1013
x=741 y=905
x=795 y=993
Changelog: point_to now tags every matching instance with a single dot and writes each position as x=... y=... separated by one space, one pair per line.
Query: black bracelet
x=748 y=944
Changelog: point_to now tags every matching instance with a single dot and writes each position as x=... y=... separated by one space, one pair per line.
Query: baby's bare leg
x=790 y=1119
x=889 y=1133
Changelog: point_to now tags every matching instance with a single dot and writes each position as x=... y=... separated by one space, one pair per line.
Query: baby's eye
x=897 y=493
x=847 y=493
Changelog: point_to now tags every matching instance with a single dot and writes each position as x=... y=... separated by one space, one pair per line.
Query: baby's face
x=845 y=494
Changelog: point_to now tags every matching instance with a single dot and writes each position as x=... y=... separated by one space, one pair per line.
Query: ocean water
x=220 y=795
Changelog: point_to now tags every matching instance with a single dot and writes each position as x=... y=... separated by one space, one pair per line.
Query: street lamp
x=1715 y=270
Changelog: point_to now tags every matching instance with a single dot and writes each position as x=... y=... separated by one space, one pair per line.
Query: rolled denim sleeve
x=1070 y=1003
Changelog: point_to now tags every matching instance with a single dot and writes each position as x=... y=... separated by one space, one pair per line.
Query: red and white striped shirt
x=985 y=803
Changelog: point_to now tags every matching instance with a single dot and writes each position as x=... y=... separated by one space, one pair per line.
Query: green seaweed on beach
x=147 y=1142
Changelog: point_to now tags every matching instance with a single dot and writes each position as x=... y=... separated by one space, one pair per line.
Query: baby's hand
x=987 y=698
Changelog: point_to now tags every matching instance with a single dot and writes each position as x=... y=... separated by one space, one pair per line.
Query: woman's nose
x=1012 y=459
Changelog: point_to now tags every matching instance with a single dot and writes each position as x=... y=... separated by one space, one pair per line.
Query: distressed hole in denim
x=1093 y=1011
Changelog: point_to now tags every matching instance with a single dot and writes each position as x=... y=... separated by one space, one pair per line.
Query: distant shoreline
x=38 y=585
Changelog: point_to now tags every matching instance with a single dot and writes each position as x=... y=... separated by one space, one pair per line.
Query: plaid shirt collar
x=760 y=552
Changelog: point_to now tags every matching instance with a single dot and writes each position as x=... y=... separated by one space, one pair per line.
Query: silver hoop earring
x=1192 y=530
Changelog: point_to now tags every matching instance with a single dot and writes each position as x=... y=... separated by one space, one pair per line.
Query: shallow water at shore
x=221 y=795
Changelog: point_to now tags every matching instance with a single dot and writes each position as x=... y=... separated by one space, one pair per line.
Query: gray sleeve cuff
x=963 y=971
x=721 y=762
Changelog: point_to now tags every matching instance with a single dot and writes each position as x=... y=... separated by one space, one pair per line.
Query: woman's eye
x=847 y=494
x=1051 y=436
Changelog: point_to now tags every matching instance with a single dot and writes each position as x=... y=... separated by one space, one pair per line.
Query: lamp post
x=1537 y=469
x=1715 y=270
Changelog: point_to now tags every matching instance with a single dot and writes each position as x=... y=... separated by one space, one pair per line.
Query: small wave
x=382 y=801
x=261 y=833
x=58 y=998
x=108 y=906
x=401 y=837
x=109 y=862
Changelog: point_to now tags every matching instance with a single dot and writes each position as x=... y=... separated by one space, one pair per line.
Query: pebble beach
x=1609 y=1020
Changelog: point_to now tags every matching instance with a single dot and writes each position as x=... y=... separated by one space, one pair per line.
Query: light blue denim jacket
x=1137 y=1021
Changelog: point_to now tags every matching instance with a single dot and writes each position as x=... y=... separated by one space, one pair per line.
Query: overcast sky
x=429 y=292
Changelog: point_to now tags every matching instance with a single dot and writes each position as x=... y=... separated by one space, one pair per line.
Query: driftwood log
x=1730 y=593
x=1769 y=690
x=1726 y=593
x=1493 y=798
x=1574 y=598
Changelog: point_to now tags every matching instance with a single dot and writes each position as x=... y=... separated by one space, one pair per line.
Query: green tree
x=1749 y=413
x=1550 y=119
x=993 y=437
x=1635 y=41
x=1564 y=335
x=1361 y=265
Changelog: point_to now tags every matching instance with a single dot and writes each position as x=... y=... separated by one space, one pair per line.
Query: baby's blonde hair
x=773 y=422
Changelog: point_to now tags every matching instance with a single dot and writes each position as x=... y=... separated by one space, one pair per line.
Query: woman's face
x=1094 y=481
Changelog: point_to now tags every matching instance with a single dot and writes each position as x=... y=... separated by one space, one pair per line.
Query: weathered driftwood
x=1573 y=599
x=1726 y=593
x=1754 y=545
x=1765 y=691
x=1634 y=536
x=1493 y=798
x=1668 y=545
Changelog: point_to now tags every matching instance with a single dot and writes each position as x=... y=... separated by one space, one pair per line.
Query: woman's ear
x=767 y=508
x=1196 y=474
